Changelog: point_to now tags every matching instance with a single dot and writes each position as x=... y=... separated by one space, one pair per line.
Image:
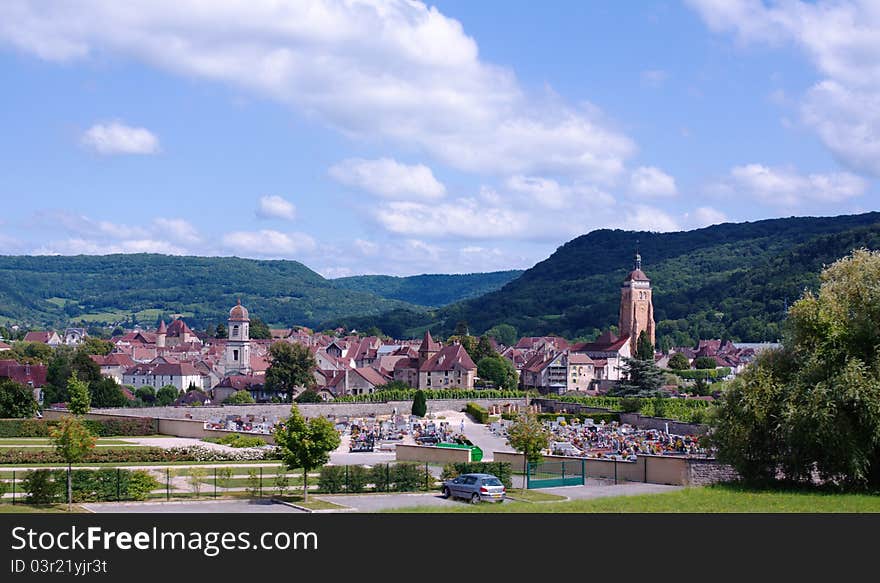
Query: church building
x=237 y=357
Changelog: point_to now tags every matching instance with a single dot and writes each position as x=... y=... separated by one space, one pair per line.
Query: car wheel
x=475 y=499
x=446 y=493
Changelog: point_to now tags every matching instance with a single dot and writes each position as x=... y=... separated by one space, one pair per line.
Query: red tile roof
x=449 y=358
x=428 y=344
x=24 y=374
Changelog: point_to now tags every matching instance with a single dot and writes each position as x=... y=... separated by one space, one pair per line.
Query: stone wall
x=277 y=412
x=705 y=472
x=660 y=423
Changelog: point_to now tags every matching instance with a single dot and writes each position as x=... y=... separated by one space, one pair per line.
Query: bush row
x=481 y=414
x=687 y=410
x=101 y=427
x=402 y=477
x=194 y=453
x=409 y=394
x=49 y=486
x=500 y=470
x=702 y=373
x=237 y=440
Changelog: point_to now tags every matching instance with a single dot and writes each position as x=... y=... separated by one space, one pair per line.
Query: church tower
x=636 y=306
x=238 y=344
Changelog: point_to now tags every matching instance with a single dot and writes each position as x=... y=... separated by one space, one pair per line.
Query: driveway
x=379 y=502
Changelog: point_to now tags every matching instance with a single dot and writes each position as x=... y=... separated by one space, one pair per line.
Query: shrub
x=108 y=484
x=380 y=475
x=133 y=426
x=239 y=398
x=42 y=487
x=4 y=488
x=630 y=404
x=192 y=453
x=238 y=440
x=480 y=414
x=419 y=406
x=501 y=470
x=140 y=484
x=332 y=479
x=358 y=477
x=408 y=477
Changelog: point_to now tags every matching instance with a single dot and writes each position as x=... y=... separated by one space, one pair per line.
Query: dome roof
x=637 y=275
x=238 y=312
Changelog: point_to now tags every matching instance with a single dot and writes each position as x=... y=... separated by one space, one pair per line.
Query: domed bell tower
x=238 y=343
x=636 y=305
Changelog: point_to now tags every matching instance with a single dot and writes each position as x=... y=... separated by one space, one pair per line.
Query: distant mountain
x=55 y=290
x=428 y=290
x=732 y=280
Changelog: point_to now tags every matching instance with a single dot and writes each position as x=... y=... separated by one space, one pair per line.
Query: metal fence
x=551 y=474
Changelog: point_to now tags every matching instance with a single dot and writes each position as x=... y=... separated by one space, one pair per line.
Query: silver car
x=475 y=488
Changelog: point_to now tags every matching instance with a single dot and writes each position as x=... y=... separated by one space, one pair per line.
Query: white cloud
x=705 y=216
x=268 y=243
x=397 y=71
x=550 y=194
x=118 y=138
x=178 y=230
x=366 y=248
x=653 y=78
x=80 y=246
x=842 y=41
x=389 y=178
x=786 y=187
x=276 y=207
x=459 y=218
x=651 y=181
x=647 y=218
x=86 y=227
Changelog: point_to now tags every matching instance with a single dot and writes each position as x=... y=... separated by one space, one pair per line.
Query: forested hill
x=428 y=290
x=55 y=290
x=730 y=280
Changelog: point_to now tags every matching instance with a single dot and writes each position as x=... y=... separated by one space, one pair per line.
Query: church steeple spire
x=637 y=264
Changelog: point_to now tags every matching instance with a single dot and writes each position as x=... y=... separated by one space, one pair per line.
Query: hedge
x=500 y=470
x=47 y=486
x=702 y=373
x=134 y=426
x=687 y=410
x=408 y=395
x=477 y=412
x=22 y=456
x=401 y=477
x=596 y=417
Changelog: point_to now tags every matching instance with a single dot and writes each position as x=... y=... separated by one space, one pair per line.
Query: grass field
x=533 y=496
x=7 y=508
x=711 y=499
x=13 y=441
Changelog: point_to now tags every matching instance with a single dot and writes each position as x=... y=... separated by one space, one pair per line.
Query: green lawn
x=533 y=496
x=313 y=503
x=7 y=508
x=711 y=499
x=244 y=482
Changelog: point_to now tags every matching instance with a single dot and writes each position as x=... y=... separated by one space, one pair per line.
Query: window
x=235 y=355
x=235 y=330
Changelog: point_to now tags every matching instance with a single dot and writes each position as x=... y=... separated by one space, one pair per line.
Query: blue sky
x=400 y=137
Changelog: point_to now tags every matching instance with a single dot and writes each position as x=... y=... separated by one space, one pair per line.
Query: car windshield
x=491 y=482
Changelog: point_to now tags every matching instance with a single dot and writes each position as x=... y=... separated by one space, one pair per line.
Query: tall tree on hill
x=503 y=333
x=259 y=330
x=290 y=366
x=220 y=331
x=483 y=349
x=644 y=347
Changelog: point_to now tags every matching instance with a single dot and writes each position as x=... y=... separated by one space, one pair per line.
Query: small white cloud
x=275 y=207
x=646 y=218
x=651 y=181
x=553 y=195
x=653 y=78
x=268 y=243
x=80 y=246
x=389 y=178
x=705 y=216
x=786 y=187
x=118 y=138
x=178 y=230
x=366 y=248
x=459 y=218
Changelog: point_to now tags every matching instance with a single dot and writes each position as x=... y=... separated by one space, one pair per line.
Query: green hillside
x=55 y=290
x=428 y=290
x=726 y=280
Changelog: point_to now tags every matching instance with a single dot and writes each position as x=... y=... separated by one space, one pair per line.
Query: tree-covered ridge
x=56 y=290
x=731 y=280
x=433 y=290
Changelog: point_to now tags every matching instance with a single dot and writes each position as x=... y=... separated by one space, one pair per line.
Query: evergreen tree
x=642 y=378
x=483 y=349
x=79 y=399
x=644 y=347
x=420 y=404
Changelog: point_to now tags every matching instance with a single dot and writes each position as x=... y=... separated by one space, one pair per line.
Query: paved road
x=378 y=502
x=602 y=489
x=219 y=506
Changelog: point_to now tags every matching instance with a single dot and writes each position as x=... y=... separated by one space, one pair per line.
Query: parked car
x=475 y=488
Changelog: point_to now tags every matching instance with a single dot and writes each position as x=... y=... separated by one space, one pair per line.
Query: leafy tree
x=290 y=366
x=483 y=349
x=469 y=343
x=80 y=400
x=92 y=345
x=705 y=362
x=394 y=386
x=644 y=347
x=528 y=436
x=16 y=401
x=814 y=405
x=503 y=333
x=642 y=378
x=220 y=331
x=679 y=361
x=259 y=330
x=420 y=404
x=106 y=393
x=461 y=328
x=308 y=396
x=73 y=441
x=499 y=371
x=306 y=444
x=146 y=394
x=239 y=398
x=30 y=352
x=166 y=395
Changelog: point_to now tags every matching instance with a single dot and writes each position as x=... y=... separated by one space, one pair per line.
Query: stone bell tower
x=238 y=345
x=636 y=306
